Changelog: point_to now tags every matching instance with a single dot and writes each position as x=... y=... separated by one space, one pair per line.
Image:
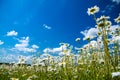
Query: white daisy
x=77 y=39
x=117 y=20
x=93 y=10
x=115 y=74
x=103 y=18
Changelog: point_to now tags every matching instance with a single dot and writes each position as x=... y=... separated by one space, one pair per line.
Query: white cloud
x=47 y=50
x=117 y=1
x=24 y=42
x=47 y=27
x=91 y=33
x=45 y=55
x=114 y=27
x=35 y=46
x=1 y=42
x=55 y=50
x=92 y=43
x=6 y=56
x=24 y=45
x=58 y=49
x=117 y=38
x=12 y=33
x=13 y=58
x=27 y=59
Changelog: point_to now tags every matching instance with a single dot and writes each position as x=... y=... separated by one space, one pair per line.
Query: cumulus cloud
x=23 y=45
x=58 y=49
x=114 y=27
x=55 y=50
x=12 y=33
x=117 y=1
x=117 y=39
x=1 y=42
x=47 y=50
x=91 y=33
x=35 y=46
x=6 y=56
x=113 y=32
x=47 y=27
x=12 y=58
x=92 y=43
x=45 y=55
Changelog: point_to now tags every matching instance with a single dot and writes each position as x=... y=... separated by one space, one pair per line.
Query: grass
x=93 y=71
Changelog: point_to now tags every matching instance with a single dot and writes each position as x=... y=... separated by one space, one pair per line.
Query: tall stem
x=106 y=50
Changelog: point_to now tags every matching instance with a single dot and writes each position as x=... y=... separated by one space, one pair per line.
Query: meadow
x=97 y=60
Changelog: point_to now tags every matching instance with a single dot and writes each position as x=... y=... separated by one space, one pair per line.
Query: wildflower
x=61 y=43
x=66 y=44
x=87 y=38
x=62 y=64
x=75 y=77
x=81 y=63
x=21 y=60
x=99 y=33
x=108 y=40
x=115 y=74
x=116 y=29
x=77 y=39
x=34 y=76
x=93 y=10
x=101 y=61
x=108 y=23
x=116 y=38
x=103 y=18
x=117 y=20
x=14 y=78
x=103 y=24
x=24 y=75
x=65 y=51
x=29 y=79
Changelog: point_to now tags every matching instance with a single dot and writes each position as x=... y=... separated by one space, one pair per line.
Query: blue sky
x=32 y=25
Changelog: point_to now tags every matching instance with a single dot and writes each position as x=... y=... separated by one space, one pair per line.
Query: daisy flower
x=103 y=24
x=93 y=10
x=108 y=23
x=117 y=20
x=77 y=39
x=103 y=18
x=14 y=78
x=115 y=74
